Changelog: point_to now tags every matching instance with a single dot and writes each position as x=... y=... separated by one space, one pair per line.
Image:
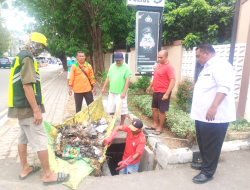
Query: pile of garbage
x=81 y=141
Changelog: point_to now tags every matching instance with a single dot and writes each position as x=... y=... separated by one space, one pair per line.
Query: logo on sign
x=148 y=19
x=140 y=16
x=157 y=1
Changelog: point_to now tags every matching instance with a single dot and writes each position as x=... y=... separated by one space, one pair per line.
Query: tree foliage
x=72 y=25
x=184 y=94
x=4 y=39
x=4 y=34
x=56 y=20
x=194 y=21
x=198 y=21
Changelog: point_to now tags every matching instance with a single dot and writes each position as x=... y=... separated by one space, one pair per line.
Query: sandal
x=150 y=128
x=158 y=132
x=60 y=179
x=35 y=169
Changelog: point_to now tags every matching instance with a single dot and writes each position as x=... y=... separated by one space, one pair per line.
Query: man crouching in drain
x=135 y=144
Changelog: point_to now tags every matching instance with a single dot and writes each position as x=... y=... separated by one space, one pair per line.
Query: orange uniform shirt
x=78 y=80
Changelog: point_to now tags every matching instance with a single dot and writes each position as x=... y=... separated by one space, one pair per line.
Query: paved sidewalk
x=55 y=99
x=233 y=173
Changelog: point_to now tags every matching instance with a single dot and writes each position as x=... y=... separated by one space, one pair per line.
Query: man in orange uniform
x=81 y=81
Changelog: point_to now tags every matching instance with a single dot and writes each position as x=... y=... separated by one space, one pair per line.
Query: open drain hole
x=114 y=156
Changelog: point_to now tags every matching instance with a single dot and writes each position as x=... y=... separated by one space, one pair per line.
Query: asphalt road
x=47 y=73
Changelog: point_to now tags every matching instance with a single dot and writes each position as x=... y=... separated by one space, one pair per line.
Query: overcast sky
x=14 y=19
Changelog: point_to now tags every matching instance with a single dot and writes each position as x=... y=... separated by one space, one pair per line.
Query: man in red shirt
x=135 y=144
x=163 y=84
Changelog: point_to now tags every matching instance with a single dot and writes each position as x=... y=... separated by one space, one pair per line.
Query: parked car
x=5 y=62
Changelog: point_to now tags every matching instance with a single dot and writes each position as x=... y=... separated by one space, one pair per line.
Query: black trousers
x=79 y=98
x=210 y=137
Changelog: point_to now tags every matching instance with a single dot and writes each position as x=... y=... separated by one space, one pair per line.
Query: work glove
x=110 y=138
x=124 y=163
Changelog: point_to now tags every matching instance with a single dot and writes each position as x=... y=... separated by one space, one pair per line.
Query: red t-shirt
x=133 y=144
x=162 y=76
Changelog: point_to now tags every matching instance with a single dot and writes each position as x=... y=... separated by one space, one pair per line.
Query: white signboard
x=152 y=3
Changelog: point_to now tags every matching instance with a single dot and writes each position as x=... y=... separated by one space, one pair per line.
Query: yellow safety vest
x=16 y=95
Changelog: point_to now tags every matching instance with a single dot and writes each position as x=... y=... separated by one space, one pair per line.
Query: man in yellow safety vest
x=25 y=102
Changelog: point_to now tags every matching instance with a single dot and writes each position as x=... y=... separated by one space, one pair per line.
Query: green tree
x=71 y=25
x=198 y=21
x=4 y=40
x=4 y=33
x=106 y=22
x=56 y=20
x=184 y=94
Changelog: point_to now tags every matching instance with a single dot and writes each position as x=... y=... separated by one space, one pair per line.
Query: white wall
x=189 y=61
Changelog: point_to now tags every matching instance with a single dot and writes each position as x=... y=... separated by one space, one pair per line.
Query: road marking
x=3 y=112
x=3 y=120
x=48 y=82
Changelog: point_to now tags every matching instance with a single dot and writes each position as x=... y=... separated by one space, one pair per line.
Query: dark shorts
x=158 y=103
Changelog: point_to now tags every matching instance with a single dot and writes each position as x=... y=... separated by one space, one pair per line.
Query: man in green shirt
x=25 y=102
x=118 y=77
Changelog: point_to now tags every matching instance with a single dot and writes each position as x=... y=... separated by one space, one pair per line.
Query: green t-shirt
x=117 y=77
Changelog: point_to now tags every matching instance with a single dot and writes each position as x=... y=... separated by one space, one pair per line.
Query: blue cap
x=73 y=58
x=118 y=56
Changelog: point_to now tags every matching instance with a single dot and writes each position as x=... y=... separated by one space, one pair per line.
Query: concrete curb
x=165 y=155
x=147 y=160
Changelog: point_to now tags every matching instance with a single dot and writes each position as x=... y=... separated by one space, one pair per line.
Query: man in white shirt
x=213 y=108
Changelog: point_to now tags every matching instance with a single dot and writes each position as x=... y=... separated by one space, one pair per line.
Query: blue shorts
x=132 y=168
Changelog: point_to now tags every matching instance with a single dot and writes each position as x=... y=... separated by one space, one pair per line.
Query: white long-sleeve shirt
x=217 y=76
